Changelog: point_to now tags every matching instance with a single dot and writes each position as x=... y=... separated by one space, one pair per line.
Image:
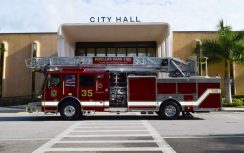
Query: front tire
x=70 y=111
x=169 y=110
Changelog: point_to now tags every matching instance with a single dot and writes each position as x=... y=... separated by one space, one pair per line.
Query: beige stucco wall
x=183 y=46
x=239 y=79
x=17 y=81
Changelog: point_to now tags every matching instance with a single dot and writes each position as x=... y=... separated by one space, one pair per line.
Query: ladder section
x=153 y=64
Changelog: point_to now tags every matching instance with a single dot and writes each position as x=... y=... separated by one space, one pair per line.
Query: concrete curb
x=232 y=109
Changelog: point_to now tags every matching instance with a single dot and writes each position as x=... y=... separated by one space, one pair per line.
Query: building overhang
x=114 y=32
x=69 y=34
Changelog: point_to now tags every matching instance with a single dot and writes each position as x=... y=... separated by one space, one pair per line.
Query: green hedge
x=236 y=102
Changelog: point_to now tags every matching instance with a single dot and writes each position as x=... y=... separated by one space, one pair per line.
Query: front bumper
x=34 y=107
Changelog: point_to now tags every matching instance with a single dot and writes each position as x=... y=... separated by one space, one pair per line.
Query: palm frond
x=238 y=36
x=212 y=50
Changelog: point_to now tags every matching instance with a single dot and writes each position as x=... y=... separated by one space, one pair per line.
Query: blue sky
x=182 y=15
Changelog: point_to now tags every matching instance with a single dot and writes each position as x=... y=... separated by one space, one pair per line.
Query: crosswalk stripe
x=165 y=147
x=111 y=135
x=106 y=149
x=109 y=141
x=120 y=130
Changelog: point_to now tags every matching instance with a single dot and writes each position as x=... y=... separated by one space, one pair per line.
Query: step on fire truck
x=75 y=86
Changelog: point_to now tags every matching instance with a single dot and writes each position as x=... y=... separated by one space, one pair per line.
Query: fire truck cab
x=125 y=84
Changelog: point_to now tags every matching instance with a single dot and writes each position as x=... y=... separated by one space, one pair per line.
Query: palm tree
x=227 y=47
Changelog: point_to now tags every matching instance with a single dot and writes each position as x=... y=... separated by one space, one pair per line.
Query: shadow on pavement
x=223 y=143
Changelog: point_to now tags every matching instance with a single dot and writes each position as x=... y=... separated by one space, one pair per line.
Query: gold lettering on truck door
x=86 y=93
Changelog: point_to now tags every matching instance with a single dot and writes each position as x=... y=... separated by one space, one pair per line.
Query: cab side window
x=54 y=80
x=87 y=80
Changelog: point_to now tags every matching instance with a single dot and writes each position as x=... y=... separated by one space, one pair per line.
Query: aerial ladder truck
x=76 y=86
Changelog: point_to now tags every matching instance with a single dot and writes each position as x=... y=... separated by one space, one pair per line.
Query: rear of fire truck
x=76 y=86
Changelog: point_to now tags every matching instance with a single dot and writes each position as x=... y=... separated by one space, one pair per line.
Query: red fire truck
x=75 y=86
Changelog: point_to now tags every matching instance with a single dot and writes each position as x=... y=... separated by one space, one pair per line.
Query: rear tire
x=70 y=110
x=169 y=110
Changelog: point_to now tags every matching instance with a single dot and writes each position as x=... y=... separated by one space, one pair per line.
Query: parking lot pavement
x=130 y=132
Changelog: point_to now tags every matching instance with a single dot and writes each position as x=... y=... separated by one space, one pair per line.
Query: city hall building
x=98 y=39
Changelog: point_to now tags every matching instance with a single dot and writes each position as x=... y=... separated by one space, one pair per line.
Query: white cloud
x=47 y=15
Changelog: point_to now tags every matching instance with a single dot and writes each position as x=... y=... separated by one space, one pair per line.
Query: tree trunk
x=227 y=80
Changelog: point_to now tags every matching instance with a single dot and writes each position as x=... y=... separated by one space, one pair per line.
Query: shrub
x=236 y=102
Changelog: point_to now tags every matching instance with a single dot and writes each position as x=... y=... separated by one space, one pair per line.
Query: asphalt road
x=130 y=132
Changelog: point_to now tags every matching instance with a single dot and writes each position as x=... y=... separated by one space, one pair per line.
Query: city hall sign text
x=114 y=19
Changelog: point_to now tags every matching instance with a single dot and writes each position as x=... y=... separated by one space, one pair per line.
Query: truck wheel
x=169 y=110
x=70 y=111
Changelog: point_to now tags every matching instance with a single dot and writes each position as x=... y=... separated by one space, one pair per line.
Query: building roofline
x=14 y=33
x=114 y=23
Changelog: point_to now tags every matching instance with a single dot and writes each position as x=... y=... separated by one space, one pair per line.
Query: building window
x=151 y=52
x=132 y=52
x=101 y=52
x=121 y=52
x=111 y=52
x=109 y=49
x=90 y=52
x=142 y=52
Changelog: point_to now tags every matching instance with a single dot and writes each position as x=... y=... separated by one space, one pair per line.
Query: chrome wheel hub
x=170 y=111
x=69 y=111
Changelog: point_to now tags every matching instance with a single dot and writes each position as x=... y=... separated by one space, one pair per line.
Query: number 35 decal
x=86 y=93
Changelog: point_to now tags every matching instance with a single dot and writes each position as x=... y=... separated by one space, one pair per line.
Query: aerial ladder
x=174 y=66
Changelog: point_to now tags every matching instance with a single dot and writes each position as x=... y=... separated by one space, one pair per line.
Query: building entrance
x=115 y=49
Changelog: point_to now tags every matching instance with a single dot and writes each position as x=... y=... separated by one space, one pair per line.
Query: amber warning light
x=112 y=60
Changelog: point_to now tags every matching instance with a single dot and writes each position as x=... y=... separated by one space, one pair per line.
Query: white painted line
x=118 y=127
x=111 y=126
x=23 y=139
x=106 y=149
x=163 y=145
x=110 y=122
x=111 y=135
x=110 y=141
x=204 y=137
x=121 y=130
x=50 y=143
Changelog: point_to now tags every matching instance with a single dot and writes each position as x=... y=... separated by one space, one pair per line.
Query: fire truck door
x=99 y=91
x=70 y=85
x=86 y=88
x=54 y=87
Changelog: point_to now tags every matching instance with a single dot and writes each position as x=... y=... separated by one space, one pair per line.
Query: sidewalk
x=13 y=109
x=232 y=109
